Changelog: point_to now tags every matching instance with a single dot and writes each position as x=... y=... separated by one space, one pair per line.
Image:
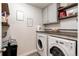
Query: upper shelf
x=67 y=7
x=5 y=8
x=66 y=17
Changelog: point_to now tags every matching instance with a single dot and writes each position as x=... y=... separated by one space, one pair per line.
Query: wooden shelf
x=67 y=7
x=5 y=8
x=47 y=23
x=66 y=17
x=5 y=24
x=68 y=29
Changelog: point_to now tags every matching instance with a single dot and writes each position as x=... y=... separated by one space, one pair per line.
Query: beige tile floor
x=35 y=54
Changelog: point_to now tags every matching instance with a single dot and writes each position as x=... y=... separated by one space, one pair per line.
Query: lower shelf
x=66 y=17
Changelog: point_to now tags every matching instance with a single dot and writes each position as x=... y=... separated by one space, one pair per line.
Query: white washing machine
x=61 y=47
x=41 y=44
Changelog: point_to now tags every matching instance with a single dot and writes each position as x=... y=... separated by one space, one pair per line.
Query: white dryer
x=41 y=44
x=61 y=47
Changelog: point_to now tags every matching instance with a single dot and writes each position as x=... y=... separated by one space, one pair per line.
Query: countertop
x=66 y=35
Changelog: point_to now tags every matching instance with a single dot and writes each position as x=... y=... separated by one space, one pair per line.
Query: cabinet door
x=0 y=31
x=45 y=16
x=78 y=48
x=52 y=13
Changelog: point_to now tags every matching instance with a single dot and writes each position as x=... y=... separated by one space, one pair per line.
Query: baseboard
x=28 y=53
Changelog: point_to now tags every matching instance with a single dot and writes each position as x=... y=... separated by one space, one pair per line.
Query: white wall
x=70 y=23
x=25 y=36
x=53 y=26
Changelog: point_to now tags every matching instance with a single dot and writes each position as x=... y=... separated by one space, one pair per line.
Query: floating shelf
x=67 y=7
x=68 y=29
x=5 y=24
x=66 y=17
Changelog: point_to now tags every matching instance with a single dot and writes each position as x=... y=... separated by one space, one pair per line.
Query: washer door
x=40 y=44
x=55 y=51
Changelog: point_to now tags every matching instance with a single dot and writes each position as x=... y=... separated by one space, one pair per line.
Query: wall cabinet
x=45 y=15
x=50 y=14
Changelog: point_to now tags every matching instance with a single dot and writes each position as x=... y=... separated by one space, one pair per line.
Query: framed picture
x=29 y=22
x=19 y=15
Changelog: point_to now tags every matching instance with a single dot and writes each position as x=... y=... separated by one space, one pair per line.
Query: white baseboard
x=28 y=53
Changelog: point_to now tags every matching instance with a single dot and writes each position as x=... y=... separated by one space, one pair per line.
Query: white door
x=0 y=29
x=52 y=13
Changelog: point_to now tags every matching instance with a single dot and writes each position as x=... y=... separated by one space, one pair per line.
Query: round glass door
x=40 y=44
x=55 y=51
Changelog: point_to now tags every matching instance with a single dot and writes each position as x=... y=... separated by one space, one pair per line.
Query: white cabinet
x=45 y=16
x=52 y=13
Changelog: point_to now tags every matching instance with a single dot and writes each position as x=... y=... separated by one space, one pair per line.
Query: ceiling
x=39 y=5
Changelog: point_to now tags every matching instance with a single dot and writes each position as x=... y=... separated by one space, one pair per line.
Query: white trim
x=28 y=53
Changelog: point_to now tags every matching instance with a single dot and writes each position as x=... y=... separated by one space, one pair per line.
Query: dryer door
x=55 y=51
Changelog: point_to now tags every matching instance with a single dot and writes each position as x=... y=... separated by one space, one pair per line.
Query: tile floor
x=34 y=54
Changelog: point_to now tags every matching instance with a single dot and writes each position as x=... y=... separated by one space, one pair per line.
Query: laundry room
x=39 y=29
